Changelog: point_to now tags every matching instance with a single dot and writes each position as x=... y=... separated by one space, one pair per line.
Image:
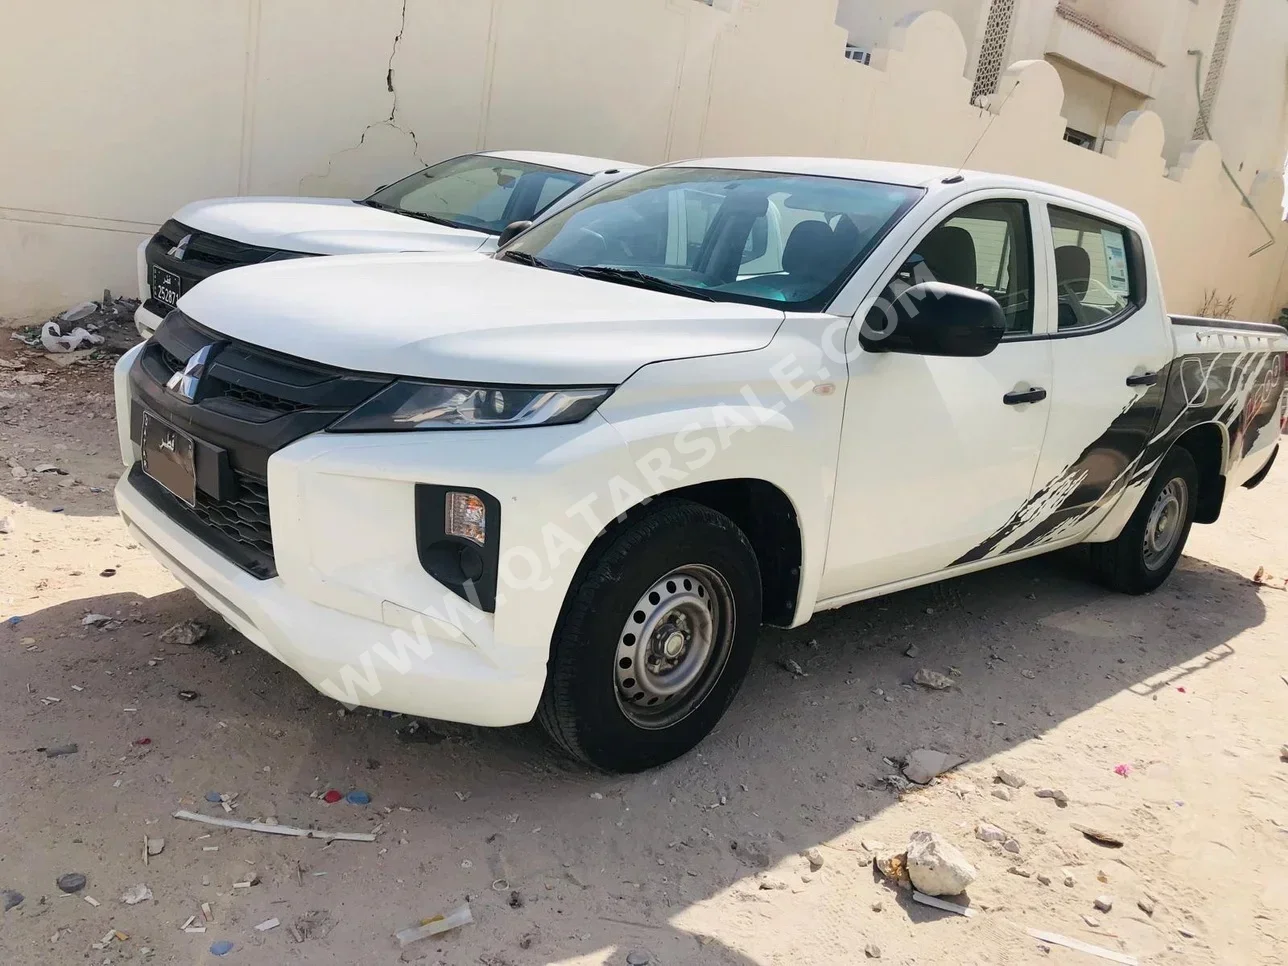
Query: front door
x=938 y=453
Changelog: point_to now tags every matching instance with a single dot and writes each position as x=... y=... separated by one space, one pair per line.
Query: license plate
x=166 y=286
x=169 y=457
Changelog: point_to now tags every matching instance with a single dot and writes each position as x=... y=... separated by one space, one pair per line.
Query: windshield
x=478 y=192
x=780 y=240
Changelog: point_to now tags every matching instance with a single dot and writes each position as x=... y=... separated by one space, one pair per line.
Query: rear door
x=1111 y=344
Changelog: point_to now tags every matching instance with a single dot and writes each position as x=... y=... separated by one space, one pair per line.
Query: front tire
x=654 y=640
x=1146 y=552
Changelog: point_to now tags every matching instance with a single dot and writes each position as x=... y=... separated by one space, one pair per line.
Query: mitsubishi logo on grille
x=180 y=249
x=186 y=383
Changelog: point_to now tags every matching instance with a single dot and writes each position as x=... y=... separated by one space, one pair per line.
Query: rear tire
x=1146 y=552
x=686 y=578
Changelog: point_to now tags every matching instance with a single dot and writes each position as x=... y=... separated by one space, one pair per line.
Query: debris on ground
x=184 y=632
x=638 y=957
x=275 y=829
x=1100 y=836
x=1104 y=903
x=1002 y=792
x=268 y=924
x=332 y=796
x=1146 y=904
x=189 y=695
x=932 y=679
x=894 y=866
x=872 y=951
x=1267 y=579
x=936 y=903
x=814 y=857
x=58 y=751
x=316 y=925
x=897 y=783
x=435 y=925
x=136 y=894
x=71 y=882
x=1057 y=940
x=990 y=833
x=108 y=323
x=54 y=340
x=1009 y=779
x=91 y=900
x=358 y=798
x=95 y=620
x=418 y=732
x=912 y=651
x=924 y=765
x=936 y=866
x=221 y=948
x=1123 y=770
x=154 y=846
x=791 y=667
x=11 y=898
x=1056 y=794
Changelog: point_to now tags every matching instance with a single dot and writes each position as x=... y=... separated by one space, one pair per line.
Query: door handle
x=1019 y=397
x=1144 y=379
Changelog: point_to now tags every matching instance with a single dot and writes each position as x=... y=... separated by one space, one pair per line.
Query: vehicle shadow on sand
x=559 y=862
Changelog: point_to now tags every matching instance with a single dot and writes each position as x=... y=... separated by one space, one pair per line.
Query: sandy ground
x=1057 y=680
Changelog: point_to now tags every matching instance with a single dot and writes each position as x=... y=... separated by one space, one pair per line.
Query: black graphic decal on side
x=1239 y=390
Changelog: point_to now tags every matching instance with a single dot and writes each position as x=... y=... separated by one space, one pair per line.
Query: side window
x=987 y=246
x=1095 y=274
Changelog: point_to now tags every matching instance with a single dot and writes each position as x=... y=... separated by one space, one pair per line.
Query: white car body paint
x=340 y=226
x=900 y=469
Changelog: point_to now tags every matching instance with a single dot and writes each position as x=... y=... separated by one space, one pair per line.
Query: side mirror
x=935 y=319
x=512 y=231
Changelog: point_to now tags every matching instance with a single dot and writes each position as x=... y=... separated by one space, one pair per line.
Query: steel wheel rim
x=673 y=646
x=1165 y=523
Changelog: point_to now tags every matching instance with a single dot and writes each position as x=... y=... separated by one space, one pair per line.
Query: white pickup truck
x=571 y=480
x=460 y=204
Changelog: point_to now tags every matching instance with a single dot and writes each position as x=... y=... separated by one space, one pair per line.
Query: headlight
x=418 y=405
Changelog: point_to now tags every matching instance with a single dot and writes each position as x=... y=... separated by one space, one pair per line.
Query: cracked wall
x=331 y=97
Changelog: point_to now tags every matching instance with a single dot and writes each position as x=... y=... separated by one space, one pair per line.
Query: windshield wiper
x=630 y=276
x=371 y=203
x=523 y=258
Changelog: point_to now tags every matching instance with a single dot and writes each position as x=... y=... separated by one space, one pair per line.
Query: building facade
x=1212 y=69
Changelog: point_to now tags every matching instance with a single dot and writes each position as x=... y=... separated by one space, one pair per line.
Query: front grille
x=204 y=255
x=251 y=402
x=243 y=517
x=255 y=399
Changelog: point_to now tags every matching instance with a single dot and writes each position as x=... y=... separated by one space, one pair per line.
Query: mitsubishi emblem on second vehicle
x=181 y=249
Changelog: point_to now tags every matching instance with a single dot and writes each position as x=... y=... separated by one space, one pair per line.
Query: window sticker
x=1116 y=256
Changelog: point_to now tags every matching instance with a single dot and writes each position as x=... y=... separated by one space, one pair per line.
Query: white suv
x=461 y=204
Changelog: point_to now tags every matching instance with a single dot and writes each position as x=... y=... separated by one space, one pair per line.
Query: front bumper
x=351 y=609
x=146 y=321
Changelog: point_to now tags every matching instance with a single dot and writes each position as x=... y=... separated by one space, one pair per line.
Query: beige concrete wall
x=291 y=96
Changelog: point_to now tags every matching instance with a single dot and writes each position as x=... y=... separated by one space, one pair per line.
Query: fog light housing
x=458 y=537
x=465 y=515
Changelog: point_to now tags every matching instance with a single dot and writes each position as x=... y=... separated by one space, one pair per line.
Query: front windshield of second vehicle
x=787 y=241
x=478 y=192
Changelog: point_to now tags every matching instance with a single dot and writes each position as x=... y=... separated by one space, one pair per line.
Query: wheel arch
x=763 y=512
x=1208 y=444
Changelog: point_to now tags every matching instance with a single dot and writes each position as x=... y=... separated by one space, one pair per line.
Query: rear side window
x=1098 y=271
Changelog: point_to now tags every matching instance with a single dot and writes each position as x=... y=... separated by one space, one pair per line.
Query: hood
x=469 y=318
x=323 y=226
